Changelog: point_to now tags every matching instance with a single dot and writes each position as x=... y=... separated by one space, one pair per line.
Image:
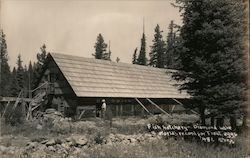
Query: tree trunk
x=233 y=123
x=202 y=116
x=212 y=121
x=244 y=121
x=219 y=122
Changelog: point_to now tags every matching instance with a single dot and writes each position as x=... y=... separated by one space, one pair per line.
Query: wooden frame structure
x=128 y=88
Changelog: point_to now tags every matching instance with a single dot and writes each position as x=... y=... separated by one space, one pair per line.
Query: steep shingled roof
x=100 y=78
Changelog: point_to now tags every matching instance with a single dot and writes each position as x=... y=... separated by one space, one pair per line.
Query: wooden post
x=5 y=108
x=182 y=105
x=157 y=106
x=121 y=110
x=116 y=110
x=133 y=109
x=144 y=108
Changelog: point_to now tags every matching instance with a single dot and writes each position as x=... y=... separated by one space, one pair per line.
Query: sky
x=72 y=26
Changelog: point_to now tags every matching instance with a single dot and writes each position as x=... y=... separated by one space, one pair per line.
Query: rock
x=132 y=140
x=2 y=148
x=51 y=142
x=102 y=154
x=68 y=139
x=44 y=141
x=125 y=141
x=58 y=141
x=76 y=151
x=38 y=139
x=11 y=150
x=65 y=146
x=147 y=135
x=71 y=143
x=42 y=147
x=65 y=149
x=51 y=148
x=81 y=141
x=78 y=140
x=109 y=141
x=31 y=145
x=39 y=127
x=152 y=138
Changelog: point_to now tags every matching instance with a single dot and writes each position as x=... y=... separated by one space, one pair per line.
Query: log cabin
x=78 y=84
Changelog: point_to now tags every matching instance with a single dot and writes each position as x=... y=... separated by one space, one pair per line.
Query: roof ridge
x=112 y=62
x=89 y=77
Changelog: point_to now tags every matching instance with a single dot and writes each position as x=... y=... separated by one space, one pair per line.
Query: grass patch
x=166 y=148
x=97 y=130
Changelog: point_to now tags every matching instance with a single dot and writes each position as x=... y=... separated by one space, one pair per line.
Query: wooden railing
x=47 y=87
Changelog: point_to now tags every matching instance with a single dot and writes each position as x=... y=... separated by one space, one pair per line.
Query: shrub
x=14 y=116
x=170 y=148
x=176 y=119
x=98 y=139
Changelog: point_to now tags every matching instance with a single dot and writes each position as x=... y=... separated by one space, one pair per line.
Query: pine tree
x=100 y=48
x=13 y=84
x=117 y=59
x=107 y=55
x=26 y=80
x=157 y=49
x=41 y=58
x=134 y=59
x=30 y=76
x=142 y=60
x=171 y=56
x=20 y=74
x=212 y=57
x=4 y=67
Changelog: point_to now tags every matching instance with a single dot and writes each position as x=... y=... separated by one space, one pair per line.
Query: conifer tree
x=26 y=80
x=134 y=59
x=212 y=57
x=30 y=76
x=171 y=56
x=13 y=84
x=42 y=55
x=142 y=60
x=20 y=74
x=41 y=58
x=107 y=55
x=4 y=67
x=117 y=59
x=157 y=49
x=100 y=48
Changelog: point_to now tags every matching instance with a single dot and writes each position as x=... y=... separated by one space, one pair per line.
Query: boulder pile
x=73 y=145
x=57 y=146
x=111 y=139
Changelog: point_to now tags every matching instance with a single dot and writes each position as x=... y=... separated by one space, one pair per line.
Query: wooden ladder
x=35 y=103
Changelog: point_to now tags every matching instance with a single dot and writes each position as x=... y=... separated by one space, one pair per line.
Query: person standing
x=104 y=108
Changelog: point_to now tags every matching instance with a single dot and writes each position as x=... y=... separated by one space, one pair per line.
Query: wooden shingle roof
x=100 y=78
